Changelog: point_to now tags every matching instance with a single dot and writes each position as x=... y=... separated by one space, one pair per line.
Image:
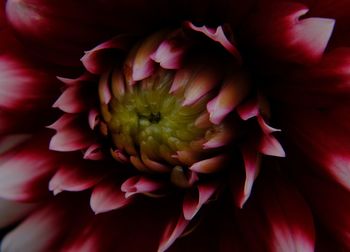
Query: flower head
x=202 y=131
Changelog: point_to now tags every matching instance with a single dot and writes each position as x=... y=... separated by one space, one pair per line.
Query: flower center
x=173 y=121
x=150 y=122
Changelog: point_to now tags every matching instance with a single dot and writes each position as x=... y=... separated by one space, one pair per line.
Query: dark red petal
x=24 y=86
x=325 y=197
x=136 y=227
x=277 y=218
x=12 y=211
x=61 y=31
x=287 y=36
x=26 y=170
x=322 y=135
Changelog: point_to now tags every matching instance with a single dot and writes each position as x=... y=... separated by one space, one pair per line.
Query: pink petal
x=140 y=184
x=234 y=89
x=203 y=82
x=75 y=176
x=210 y=165
x=94 y=152
x=82 y=79
x=252 y=168
x=171 y=51
x=103 y=56
x=75 y=99
x=173 y=230
x=71 y=134
x=248 y=109
x=103 y=88
x=143 y=65
x=94 y=118
x=267 y=129
x=217 y=35
x=107 y=196
x=270 y=146
x=193 y=203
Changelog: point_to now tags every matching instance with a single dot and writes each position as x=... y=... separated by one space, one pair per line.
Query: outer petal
x=278 y=217
x=11 y=211
x=25 y=170
x=287 y=36
x=24 y=86
x=107 y=196
x=327 y=146
x=76 y=176
x=61 y=31
x=324 y=197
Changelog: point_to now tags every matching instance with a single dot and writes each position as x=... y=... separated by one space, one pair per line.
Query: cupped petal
x=76 y=98
x=103 y=56
x=107 y=196
x=141 y=184
x=76 y=176
x=72 y=133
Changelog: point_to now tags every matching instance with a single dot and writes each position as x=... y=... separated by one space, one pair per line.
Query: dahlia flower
x=174 y=126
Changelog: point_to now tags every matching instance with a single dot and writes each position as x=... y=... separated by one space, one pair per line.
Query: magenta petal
x=107 y=196
x=217 y=35
x=173 y=230
x=193 y=202
x=75 y=176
